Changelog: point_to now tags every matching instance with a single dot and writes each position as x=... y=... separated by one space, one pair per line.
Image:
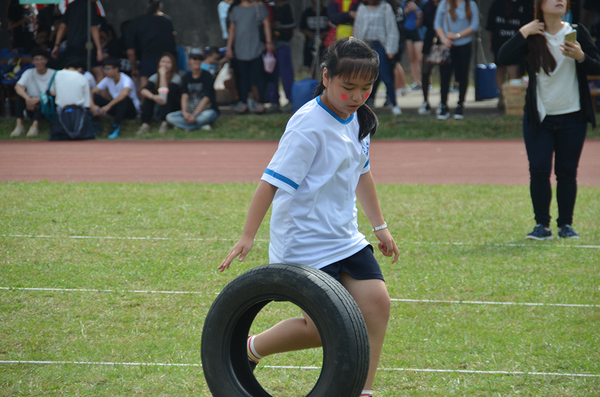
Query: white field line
x=426 y=370
x=459 y=244
x=493 y=303
x=432 y=301
x=101 y=290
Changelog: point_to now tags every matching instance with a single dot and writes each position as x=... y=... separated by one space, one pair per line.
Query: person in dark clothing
x=162 y=94
x=152 y=34
x=20 y=35
x=558 y=106
x=591 y=19
x=198 y=100
x=308 y=27
x=429 y=10
x=47 y=16
x=284 y=23
x=505 y=18
x=74 y=26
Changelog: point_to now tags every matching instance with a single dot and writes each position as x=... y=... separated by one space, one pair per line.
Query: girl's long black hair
x=539 y=56
x=349 y=58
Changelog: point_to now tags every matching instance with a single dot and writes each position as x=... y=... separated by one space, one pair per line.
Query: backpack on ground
x=73 y=122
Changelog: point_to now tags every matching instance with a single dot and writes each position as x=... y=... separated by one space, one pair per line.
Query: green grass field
x=82 y=266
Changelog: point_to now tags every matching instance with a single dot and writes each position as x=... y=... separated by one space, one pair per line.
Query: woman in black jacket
x=558 y=106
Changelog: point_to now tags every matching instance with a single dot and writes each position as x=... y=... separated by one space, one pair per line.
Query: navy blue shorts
x=360 y=266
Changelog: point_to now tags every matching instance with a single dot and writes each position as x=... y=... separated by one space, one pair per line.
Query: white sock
x=252 y=354
x=366 y=393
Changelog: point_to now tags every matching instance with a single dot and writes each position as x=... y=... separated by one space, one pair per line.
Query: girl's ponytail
x=367 y=120
x=349 y=57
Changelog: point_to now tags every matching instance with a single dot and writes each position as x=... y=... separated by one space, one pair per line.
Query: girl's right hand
x=229 y=53
x=241 y=248
x=533 y=27
x=387 y=245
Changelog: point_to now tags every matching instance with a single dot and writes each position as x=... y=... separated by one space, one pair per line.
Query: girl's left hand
x=572 y=50
x=387 y=245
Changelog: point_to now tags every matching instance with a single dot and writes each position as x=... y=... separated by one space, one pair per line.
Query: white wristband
x=378 y=228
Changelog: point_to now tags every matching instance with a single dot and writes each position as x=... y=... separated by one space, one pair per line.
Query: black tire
x=333 y=310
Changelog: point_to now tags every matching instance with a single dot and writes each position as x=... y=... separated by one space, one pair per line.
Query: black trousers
x=562 y=136
x=122 y=110
x=461 y=58
x=247 y=73
x=21 y=107
x=173 y=104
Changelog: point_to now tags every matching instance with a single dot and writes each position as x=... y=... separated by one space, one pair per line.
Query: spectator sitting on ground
x=124 y=103
x=198 y=101
x=31 y=84
x=213 y=61
x=70 y=86
x=163 y=91
x=73 y=99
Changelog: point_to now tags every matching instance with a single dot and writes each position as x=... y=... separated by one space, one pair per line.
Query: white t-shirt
x=316 y=169
x=558 y=93
x=71 y=88
x=35 y=83
x=115 y=89
x=90 y=78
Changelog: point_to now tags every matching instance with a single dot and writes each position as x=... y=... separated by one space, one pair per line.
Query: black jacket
x=516 y=49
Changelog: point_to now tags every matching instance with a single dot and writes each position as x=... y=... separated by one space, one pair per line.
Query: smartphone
x=571 y=36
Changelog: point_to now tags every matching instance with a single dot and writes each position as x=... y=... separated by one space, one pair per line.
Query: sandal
x=260 y=109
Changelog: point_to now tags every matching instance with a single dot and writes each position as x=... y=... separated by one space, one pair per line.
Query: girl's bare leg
x=289 y=335
x=301 y=333
x=374 y=303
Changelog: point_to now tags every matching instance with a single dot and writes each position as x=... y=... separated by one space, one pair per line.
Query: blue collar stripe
x=338 y=118
x=281 y=178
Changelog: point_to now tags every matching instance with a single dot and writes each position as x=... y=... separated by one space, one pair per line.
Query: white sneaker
x=424 y=110
x=164 y=128
x=206 y=127
x=18 y=131
x=144 y=128
x=396 y=111
x=33 y=132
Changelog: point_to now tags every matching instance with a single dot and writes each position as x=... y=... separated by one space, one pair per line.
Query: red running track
x=494 y=162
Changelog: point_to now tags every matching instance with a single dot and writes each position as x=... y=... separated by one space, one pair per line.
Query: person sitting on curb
x=29 y=87
x=124 y=103
x=198 y=100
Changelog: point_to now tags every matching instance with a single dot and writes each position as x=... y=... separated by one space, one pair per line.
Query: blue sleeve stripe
x=281 y=178
x=368 y=161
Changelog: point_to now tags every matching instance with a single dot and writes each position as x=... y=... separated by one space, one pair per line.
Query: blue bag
x=303 y=91
x=485 y=77
x=485 y=81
